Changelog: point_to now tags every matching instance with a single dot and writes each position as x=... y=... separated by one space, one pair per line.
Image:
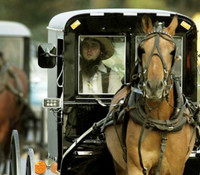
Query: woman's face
x=91 y=49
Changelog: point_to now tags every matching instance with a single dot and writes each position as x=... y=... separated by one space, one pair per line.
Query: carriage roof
x=10 y=28
x=59 y=21
x=106 y=22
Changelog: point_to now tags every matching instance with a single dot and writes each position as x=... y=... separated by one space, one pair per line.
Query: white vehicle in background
x=17 y=48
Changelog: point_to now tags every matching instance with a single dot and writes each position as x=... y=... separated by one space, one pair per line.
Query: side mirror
x=46 y=55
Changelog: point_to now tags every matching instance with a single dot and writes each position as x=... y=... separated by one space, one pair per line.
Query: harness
x=138 y=115
x=133 y=105
x=16 y=88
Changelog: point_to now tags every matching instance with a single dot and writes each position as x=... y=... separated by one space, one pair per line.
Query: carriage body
x=78 y=111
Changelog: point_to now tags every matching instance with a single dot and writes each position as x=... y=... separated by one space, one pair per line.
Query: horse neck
x=161 y=110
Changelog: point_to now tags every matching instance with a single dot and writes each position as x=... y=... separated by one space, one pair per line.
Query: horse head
x=156 y=54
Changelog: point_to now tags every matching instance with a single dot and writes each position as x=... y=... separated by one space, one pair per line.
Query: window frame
x=123 y=65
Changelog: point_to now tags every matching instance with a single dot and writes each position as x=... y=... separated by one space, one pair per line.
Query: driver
x=96 y=77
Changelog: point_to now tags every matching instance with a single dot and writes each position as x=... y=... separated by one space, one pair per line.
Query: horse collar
x=138 y=114
x=174 y=124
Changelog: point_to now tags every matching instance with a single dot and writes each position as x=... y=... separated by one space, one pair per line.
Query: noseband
x=157 y=34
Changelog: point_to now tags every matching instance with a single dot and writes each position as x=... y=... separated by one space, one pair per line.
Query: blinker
x=140 y=52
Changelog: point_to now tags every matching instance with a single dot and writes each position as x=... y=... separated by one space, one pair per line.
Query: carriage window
x=13 y=50
x=179 y=54
x=101 y=64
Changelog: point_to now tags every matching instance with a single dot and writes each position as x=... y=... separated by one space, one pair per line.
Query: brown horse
x=13 y=101
x=158 y=139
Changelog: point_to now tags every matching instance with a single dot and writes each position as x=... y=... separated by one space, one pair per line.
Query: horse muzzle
x=154 y=90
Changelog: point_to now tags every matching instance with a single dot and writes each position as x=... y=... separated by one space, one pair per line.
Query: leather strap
x=162 y=149
x=105 y=79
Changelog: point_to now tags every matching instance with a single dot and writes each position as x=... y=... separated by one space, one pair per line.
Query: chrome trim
x=58 y=30
x=163 y=14
x=97 y=14
x=130 y=14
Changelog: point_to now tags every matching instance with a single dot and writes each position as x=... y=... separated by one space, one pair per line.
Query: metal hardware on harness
x=136 y=90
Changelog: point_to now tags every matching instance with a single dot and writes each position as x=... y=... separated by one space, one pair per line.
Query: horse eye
x=173 y=52
x=140 y=51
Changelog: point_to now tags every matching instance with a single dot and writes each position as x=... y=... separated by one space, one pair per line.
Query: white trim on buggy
x=59 y=21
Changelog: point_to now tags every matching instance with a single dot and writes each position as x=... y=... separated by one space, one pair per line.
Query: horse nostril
x=154 y=85
x=148 y=84
x=160 y=84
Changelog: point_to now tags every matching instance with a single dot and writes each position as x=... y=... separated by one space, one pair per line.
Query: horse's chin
x=154 y=98
x=155 y=95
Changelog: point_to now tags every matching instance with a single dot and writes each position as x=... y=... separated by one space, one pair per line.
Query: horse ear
x=172 y=26
x=147 y=24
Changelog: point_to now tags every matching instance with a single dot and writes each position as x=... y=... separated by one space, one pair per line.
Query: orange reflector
x=54 y=167
x=40 y=167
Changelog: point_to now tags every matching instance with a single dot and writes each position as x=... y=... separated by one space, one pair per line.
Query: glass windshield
x=101 y=64
x=13 y=50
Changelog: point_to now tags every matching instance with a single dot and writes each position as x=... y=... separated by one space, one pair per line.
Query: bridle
x=157 y=34
x=168 y=77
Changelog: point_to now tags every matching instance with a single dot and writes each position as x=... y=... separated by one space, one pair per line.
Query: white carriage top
x=59 y=21
x=10 y=28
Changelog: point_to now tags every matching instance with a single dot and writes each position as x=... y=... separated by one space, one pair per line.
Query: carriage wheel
x=15 y=165
x=30 y=169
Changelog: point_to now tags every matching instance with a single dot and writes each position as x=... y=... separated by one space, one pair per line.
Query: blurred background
x=36 y=14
